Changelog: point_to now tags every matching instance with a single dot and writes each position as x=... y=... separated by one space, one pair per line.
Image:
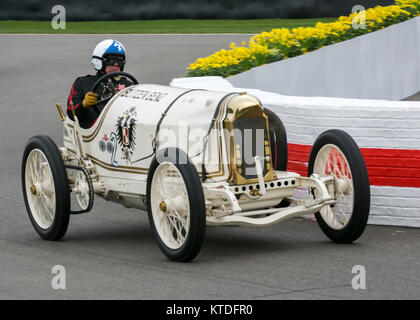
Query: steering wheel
x=111 y=87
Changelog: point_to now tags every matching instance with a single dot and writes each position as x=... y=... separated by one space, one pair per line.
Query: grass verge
x=159 y=26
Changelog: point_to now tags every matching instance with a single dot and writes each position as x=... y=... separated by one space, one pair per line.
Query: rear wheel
x=336 y=154
x=45 y=188
x=278 y=141
x=175 y=204
x=278 y=145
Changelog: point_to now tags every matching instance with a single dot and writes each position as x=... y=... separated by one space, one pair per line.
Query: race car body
x=193 y=158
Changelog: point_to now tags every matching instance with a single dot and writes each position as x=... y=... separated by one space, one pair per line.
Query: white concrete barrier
x=388 y=133
x=384 y=64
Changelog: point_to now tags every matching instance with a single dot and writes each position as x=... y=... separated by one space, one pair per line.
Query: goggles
x=110 y=60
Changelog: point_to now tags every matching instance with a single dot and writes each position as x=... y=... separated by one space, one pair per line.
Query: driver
x=108 y=56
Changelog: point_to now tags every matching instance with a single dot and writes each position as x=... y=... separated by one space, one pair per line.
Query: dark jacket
x=82 y=85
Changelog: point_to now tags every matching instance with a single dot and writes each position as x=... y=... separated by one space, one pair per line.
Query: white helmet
x=110 y=48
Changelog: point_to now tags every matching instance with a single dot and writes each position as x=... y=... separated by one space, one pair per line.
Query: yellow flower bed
x=283 y=43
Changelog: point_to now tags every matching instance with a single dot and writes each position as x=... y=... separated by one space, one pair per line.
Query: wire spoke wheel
x=330 y=160
x=40 y=188
x=170 y=205
x=175 y=205
x=45 y=188
x=336 y=154
x=83 y=196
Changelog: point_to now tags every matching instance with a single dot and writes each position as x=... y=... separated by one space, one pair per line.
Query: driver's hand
x=91 y=98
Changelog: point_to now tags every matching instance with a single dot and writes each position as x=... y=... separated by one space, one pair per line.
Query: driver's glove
x=90 y=99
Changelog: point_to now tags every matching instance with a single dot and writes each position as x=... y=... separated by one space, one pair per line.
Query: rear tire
x=278 y=141
x=45 y=188
x=336 y=153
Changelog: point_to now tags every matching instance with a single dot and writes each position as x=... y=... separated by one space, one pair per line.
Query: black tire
x=62 y=193
x=278 y=141
x=361 y=188
x=195 y=236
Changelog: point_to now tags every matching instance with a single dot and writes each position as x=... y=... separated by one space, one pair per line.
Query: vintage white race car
x=192 y=158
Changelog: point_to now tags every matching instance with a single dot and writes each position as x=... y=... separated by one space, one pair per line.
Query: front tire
x=175 y=205
x=336 y=153
x=45 y=188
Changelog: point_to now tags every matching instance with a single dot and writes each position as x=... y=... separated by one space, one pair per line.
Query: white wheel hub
x=330 y=160
x=170 y=205
x=82 y=190
x=40 y=188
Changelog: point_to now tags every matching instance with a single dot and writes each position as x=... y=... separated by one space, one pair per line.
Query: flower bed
x=283 y=43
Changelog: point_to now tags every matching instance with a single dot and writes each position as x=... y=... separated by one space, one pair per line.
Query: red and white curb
x=388 y=134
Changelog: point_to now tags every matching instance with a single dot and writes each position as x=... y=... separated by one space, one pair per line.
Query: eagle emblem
x=126 y=129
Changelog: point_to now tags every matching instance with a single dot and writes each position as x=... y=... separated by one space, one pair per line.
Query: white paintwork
x=121 y=176
x=184 y=126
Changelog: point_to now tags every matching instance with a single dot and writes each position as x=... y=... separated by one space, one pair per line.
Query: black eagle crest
x=126 y=129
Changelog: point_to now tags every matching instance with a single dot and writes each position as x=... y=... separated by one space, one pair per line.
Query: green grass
x=159 y=26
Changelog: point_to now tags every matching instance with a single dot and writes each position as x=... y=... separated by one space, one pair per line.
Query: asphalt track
x=110 y=254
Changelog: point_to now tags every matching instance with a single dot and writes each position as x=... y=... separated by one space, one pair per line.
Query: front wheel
x=175 y=205
x=45 y=188
x=336 y=154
